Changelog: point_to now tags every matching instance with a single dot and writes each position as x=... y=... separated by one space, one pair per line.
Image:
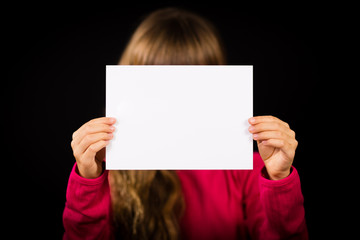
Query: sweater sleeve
x=87 y=213
x=274 y=209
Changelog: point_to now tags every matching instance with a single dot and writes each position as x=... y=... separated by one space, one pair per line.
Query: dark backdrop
x=54 y=81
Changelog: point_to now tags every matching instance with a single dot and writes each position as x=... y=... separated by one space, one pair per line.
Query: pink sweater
x=220 y=204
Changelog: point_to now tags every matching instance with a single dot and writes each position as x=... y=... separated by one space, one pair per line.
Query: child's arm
x=273 y=209
x=87 y=213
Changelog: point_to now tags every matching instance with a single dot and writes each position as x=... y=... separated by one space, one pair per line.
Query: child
x=264 y=203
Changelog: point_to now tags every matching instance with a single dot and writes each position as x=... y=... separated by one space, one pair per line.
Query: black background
x=54 y=81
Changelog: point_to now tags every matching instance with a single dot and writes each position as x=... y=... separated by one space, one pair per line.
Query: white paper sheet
x=180 y=117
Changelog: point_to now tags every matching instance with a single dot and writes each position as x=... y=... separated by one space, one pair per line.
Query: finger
x=94 y=148
x=276 y=143
x=270 y=135
x=91 y=139
x=271 y=126
x=92 y=128
x=278 y=137
x=106 y=120
x=286 y=147
x=261 y=119
x=102 y=120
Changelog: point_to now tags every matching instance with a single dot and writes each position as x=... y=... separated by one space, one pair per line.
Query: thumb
x=265 y=151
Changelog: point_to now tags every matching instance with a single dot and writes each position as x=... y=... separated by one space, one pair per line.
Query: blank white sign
x=180 y=117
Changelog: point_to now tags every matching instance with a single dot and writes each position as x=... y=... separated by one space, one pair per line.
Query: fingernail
x=252 y=120
x=112 y=120
x=255 y=136
x=112 y=128
x=251 y=128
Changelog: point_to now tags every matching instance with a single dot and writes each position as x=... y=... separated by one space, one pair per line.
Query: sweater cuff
x=294 y=176
x=86 y=181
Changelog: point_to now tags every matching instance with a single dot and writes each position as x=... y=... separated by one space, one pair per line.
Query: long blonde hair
x=148 y=204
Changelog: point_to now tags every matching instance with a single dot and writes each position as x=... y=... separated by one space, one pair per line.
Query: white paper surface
x=180 y=117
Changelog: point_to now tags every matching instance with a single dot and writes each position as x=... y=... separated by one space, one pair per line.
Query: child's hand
x=276 y=143
x=88 y=144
